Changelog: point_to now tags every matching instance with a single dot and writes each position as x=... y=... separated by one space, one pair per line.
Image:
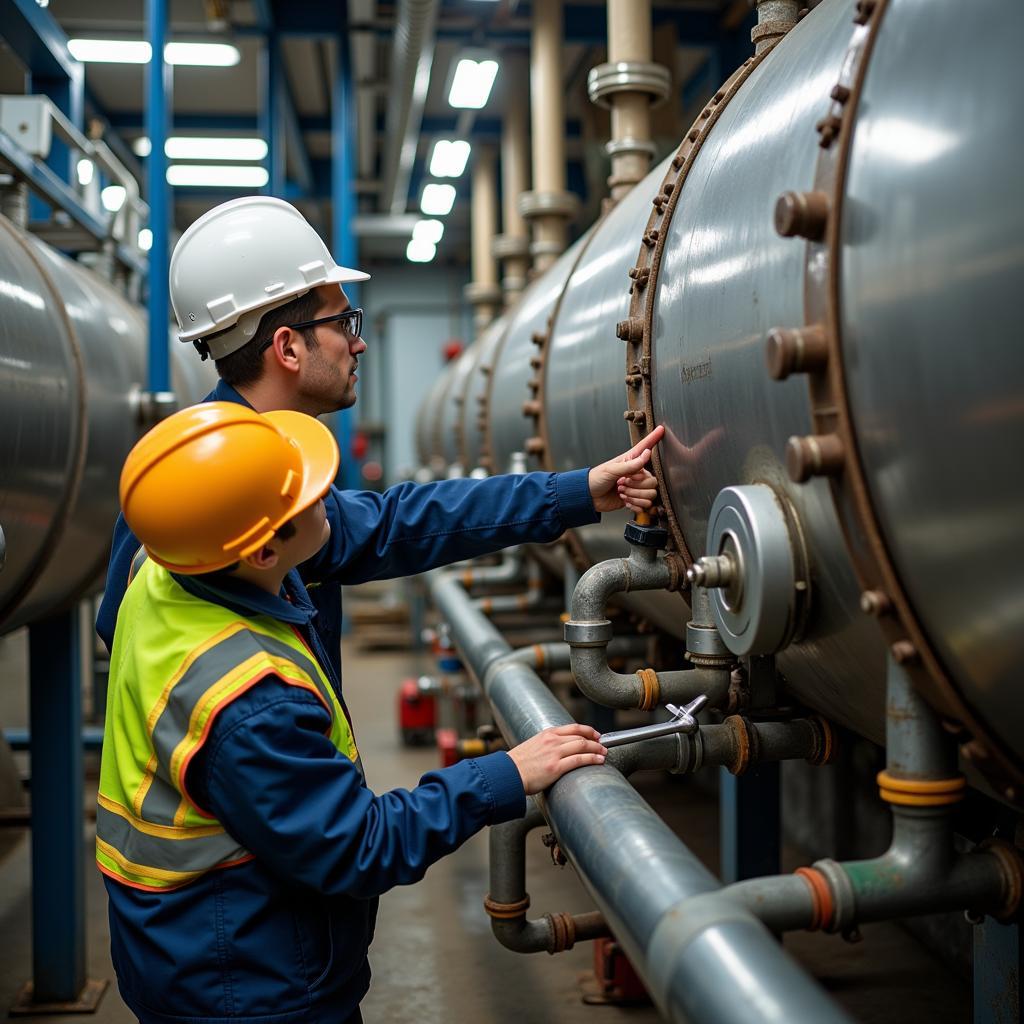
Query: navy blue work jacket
x=284 y=938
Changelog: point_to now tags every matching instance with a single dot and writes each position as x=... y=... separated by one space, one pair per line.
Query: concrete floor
x=434 y=959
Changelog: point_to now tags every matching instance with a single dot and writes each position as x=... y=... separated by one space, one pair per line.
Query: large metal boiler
x=815 y=295
x=72 y=374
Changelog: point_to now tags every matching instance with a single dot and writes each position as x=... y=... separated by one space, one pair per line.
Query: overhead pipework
x=629 y=83
x=483 y=293
x=512 y=246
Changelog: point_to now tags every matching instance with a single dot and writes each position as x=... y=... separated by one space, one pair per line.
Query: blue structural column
x=343 y=212
x=158 y=101
x=998 y=997
x=58 y=882
x=271 y=125
x=749 y=823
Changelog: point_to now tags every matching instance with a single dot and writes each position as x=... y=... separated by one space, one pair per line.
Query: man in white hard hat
x=255 y=288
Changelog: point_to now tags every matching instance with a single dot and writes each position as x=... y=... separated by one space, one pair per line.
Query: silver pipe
x=588 y=632
x=725 y=968
x=412 y=57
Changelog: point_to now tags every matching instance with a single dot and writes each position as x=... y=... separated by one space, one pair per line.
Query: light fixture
x=85 y=170
x=428 y=231
x=142 y=146
x=437 y=200
x=472 y=81
x=420 y=251
x=201 y=147
x=145 y=239
x=112 y=198
x=448 y=159
x=138 y=51
x=216 y=176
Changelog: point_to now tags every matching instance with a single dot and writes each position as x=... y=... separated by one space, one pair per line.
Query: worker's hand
x=550 y=754
x=623 y=481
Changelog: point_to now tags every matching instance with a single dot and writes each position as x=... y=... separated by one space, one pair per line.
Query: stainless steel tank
x=911 y=269
x=450 y=414
x=72 y=362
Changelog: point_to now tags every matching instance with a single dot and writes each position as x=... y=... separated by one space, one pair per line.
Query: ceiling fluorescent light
x=113 y=197
x=449 y=157
x=188 y=147
x=216 y=176
x=437 y=200
x=137 y=51
x=471 y=83
x=206 y=55
x=428 y=231
x=418 y=251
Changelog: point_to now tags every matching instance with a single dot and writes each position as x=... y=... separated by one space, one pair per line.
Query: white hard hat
x=240 y=260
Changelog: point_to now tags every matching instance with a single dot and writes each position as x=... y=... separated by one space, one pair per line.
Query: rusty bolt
x=802 y=13
x=692 y=135
x=481 y=400
x=875 y=602
x=802 y=214
x=904 y=652
x=637 y=416
x=678 y=160
x=840 y=93
x=828 y=130
x=815 y=455
x=718 y=97
x=485 y=370
x=800 y=350
x=538 y=338
x=630 y=330
x=531 y=407
x=634 y=380
x=640 y=275
x=536 y=362
x=865 y=8
x=668 y=187
x=535 y=446
x=533 y=384
x=974 y=751
x=658 y=201
x=705 y=114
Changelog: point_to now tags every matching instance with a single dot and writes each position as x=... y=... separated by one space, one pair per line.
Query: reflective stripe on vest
x=177 y=662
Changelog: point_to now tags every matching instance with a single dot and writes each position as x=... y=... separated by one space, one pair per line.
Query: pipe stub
x=587 y=634
x=606 y=80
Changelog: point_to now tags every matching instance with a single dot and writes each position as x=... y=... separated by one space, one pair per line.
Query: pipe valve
x=683 y=720
x=712 y=571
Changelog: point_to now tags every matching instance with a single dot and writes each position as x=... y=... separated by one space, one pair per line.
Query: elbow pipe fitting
x=588 y=634
x=508 y=570
x=508 y=900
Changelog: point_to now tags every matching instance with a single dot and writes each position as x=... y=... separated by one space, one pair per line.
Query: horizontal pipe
x=724 y=968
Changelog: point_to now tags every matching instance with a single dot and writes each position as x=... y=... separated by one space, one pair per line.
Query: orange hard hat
x=210 y=484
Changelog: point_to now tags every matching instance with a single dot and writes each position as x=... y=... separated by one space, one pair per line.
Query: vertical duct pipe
x=549 y=206
x=774 y=19
x=513 y=245
x=483 y=293
x=629 y=84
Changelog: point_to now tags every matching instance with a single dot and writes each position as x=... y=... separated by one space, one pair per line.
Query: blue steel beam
x=342 y=214
x=58 y=869
x=39 y=42
x=271 y=71
x=158 y=100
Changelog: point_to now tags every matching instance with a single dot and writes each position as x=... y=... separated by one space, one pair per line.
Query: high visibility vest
x=177 y=662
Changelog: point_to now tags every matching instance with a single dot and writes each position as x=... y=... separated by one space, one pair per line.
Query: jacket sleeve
x=280 y=787
x=414 y=527
x=123 y=549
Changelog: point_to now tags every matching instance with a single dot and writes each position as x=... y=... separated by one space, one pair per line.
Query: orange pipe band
x=920 y=792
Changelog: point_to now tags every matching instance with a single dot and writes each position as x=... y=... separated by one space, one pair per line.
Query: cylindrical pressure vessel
x=72 y=366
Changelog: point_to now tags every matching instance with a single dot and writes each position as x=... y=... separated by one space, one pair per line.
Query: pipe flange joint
x=646 y=536
x=1011 y=864
x=548 y=204
x=506 y=911
x=606 y=80
x=844 y=899
x=587 y=634
x=477 y=293
x=705 y=641
x=629 y=145
x=690 y=758
x=505 y=247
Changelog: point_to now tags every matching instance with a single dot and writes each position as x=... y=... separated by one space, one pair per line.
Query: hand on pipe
x=623 y=482
x=546 y=757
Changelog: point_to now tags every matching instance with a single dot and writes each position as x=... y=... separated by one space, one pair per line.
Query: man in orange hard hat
x=277 y=922
x=219 y=488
